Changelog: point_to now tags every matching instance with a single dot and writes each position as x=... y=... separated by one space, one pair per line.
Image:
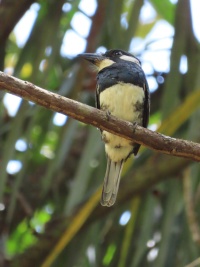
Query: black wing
x=97 y=100
x=146 y=111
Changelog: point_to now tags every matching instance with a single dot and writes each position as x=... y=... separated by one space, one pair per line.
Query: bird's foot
x=108 y=113
x=134 y=126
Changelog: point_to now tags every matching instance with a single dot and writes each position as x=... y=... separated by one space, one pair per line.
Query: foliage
x=49 y=209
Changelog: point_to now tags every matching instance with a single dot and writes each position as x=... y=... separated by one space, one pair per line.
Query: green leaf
x=165 y=9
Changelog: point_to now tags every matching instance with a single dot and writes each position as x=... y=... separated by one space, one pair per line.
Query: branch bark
x=99 y=119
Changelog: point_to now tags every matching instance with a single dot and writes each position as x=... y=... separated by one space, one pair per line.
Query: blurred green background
x=52 y=167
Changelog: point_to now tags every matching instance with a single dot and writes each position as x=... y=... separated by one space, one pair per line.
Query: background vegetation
x=49 y=208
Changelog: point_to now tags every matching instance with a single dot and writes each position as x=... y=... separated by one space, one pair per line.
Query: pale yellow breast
x=120 y=100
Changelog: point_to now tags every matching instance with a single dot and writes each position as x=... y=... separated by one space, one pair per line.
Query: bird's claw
x=134 y=126
x=108 y=115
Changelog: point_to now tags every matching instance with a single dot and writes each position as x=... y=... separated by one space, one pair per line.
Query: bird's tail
x=111 y=182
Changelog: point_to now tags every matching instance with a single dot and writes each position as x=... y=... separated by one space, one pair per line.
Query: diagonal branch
x=99 y=119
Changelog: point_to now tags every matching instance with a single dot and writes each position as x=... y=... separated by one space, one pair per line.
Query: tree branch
x=100 y=119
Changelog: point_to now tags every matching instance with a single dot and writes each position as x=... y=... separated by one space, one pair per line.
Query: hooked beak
x=94 y=58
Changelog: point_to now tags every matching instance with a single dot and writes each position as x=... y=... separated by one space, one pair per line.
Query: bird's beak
x=94 y=58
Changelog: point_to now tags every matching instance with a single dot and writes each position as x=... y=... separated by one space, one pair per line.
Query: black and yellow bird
x=122 y=91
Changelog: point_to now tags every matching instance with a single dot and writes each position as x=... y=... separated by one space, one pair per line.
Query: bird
x=122 y=91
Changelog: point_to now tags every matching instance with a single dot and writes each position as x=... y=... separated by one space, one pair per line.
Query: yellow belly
x=122 y=101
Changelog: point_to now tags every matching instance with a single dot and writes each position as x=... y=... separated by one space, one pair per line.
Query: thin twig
x=100 y=119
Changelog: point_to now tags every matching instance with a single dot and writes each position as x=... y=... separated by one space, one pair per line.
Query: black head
x=118 y=55
x=109 y=57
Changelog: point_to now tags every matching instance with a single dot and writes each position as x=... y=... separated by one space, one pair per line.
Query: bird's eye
x=118 y=53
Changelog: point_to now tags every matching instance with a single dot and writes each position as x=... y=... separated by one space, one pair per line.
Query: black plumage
x=125 y=73
x=122 y=91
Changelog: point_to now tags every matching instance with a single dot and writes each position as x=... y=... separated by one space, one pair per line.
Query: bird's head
x=109 y=57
